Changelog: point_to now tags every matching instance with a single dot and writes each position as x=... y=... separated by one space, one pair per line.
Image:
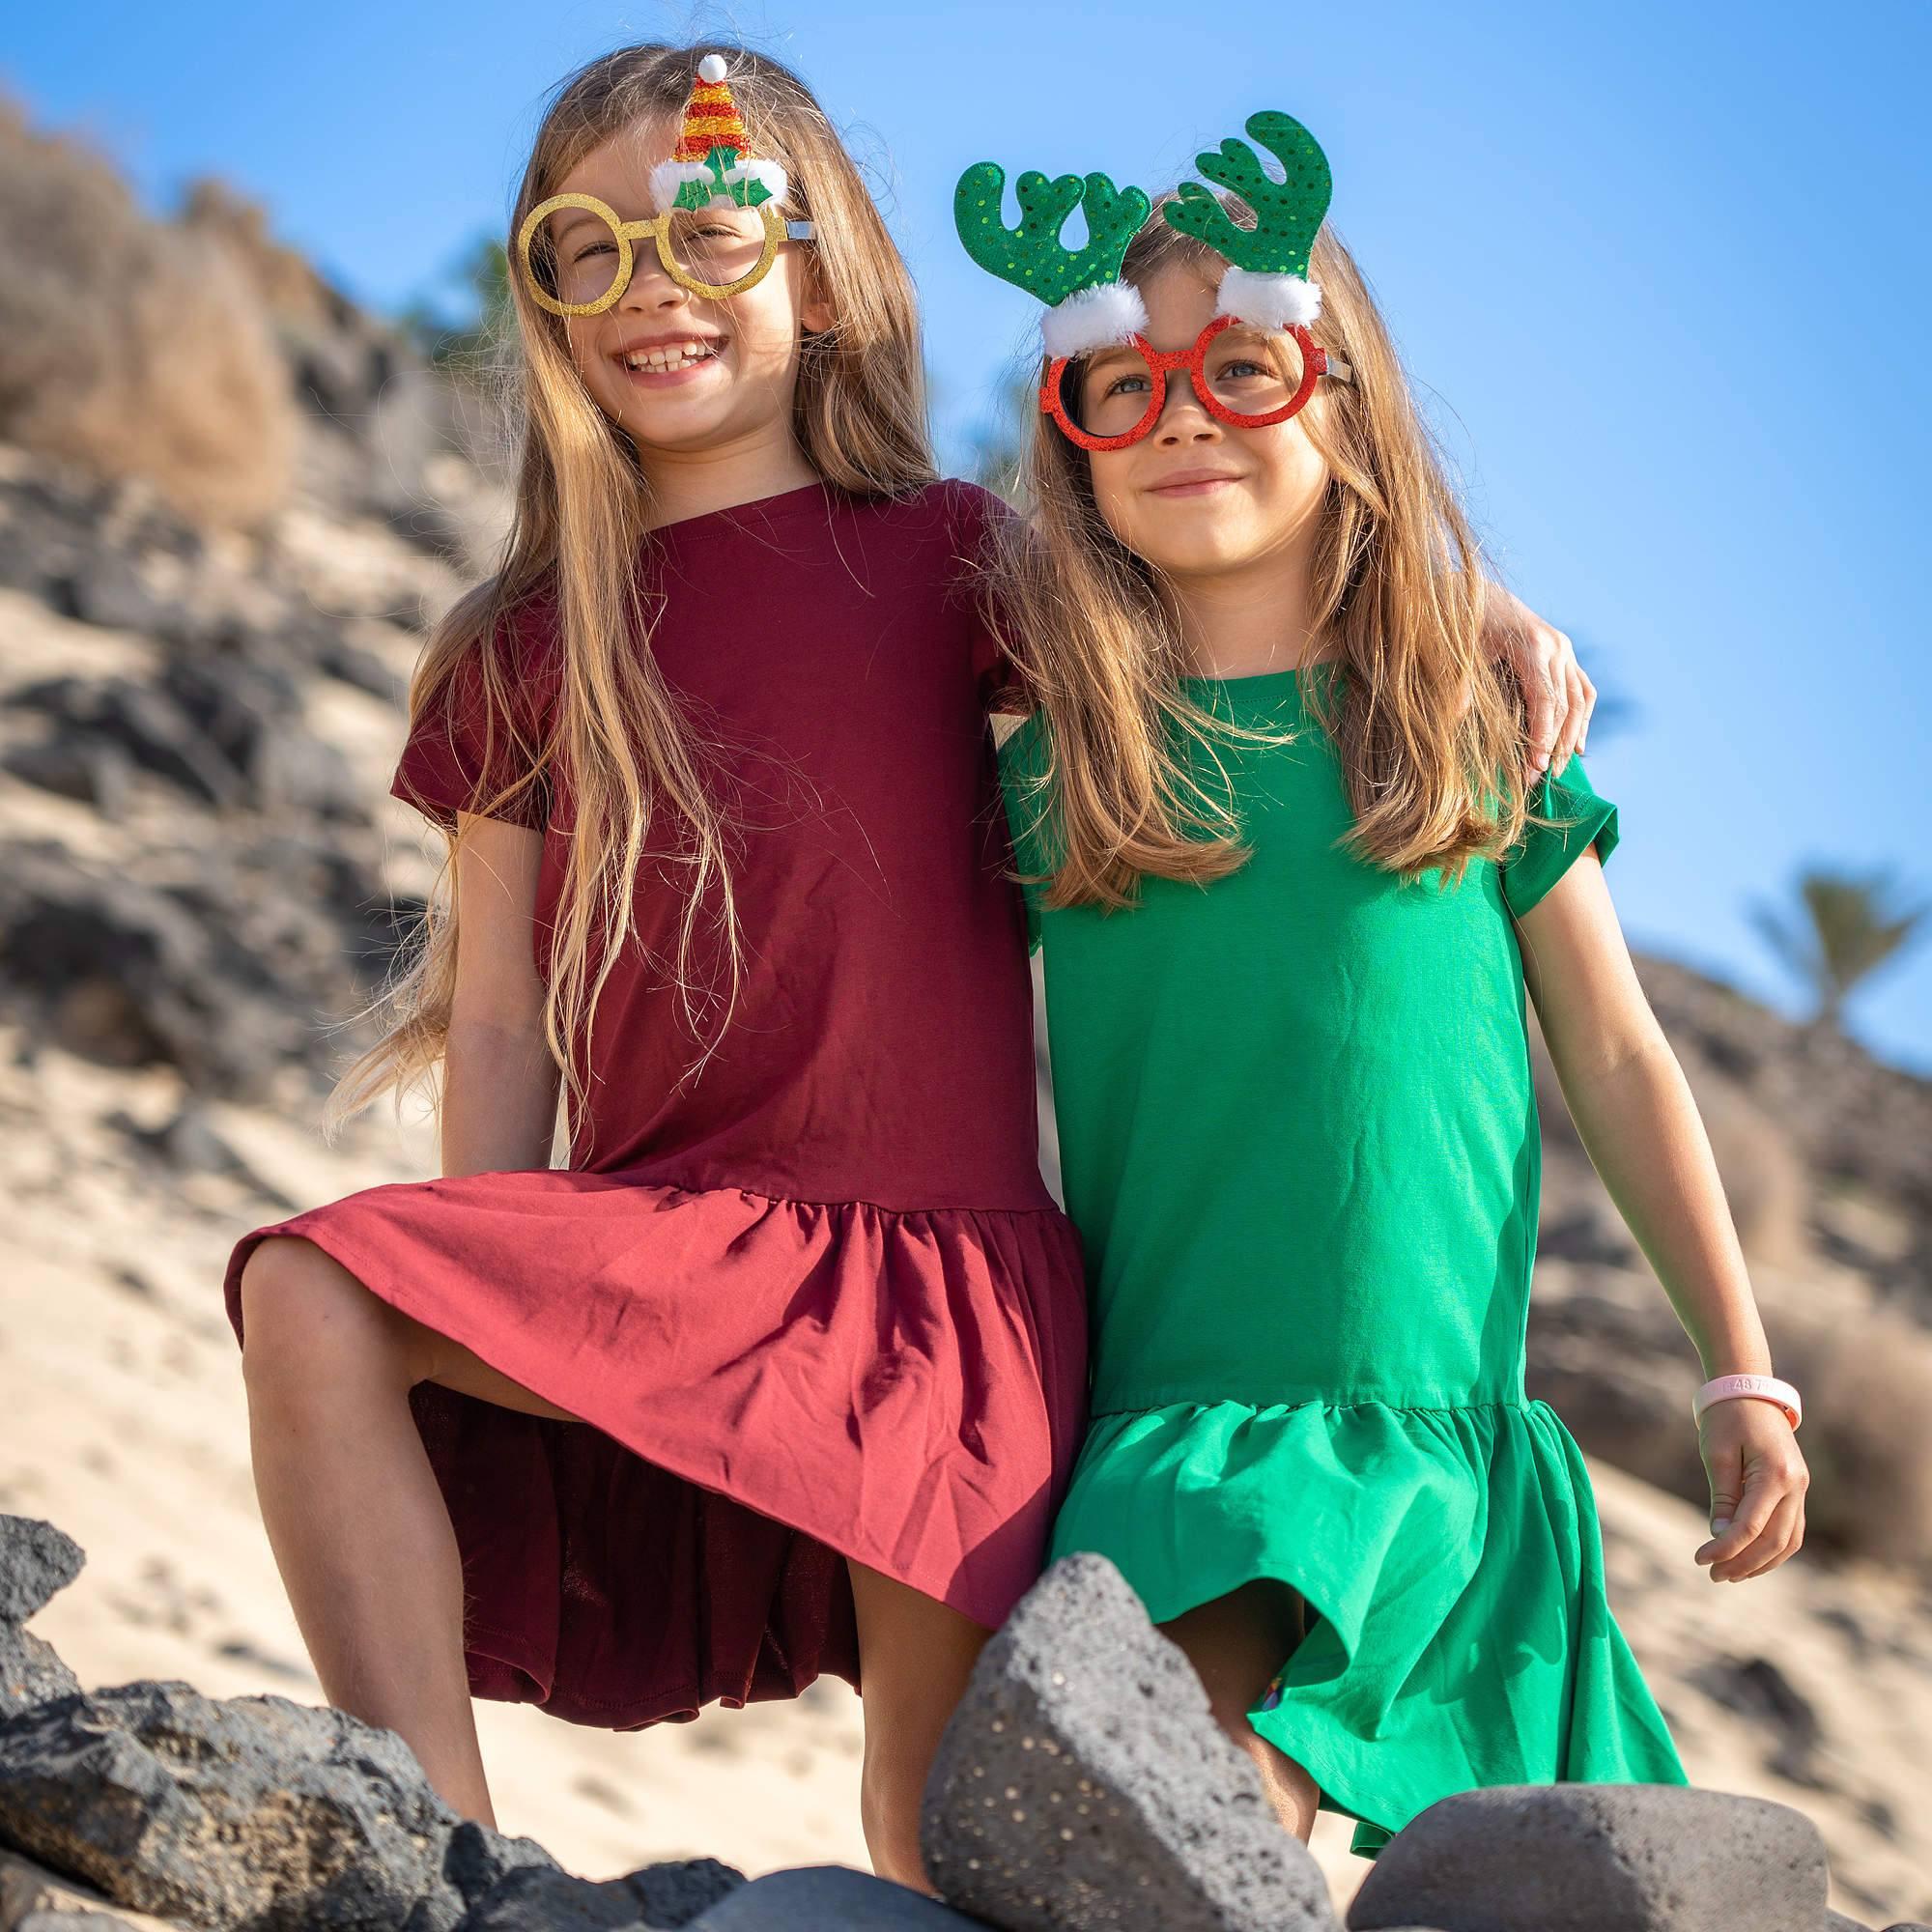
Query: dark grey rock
x=1907 y=1926
x=475 y=1860
x=256 y=1812
x=831 y=1898
x=353 y=666
x=218 y=981
x=235 y=699
x=90 y=772
x=294 y=772
x=146 y=722
x=1599 y=1857
x=37 y=1562
x=1836 y=1921
x=31 y=1672
x=478 y=1858
x=1083 y=1783
x=661 y=1895
x=108 y=591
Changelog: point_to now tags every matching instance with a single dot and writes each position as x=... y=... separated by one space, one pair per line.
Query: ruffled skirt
x=1451 y=1565
x=766 y=1388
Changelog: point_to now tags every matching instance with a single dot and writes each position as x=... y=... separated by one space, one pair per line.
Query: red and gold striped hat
x=713 y=161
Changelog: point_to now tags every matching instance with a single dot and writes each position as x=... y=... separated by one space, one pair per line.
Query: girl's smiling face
x=1197 y=496
x=680 y=373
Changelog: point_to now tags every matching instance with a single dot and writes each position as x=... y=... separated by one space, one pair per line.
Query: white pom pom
x=1094 y=319
x=711 y=69
x=1269 y=301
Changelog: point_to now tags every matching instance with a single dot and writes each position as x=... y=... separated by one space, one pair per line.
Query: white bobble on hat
x=711 y=69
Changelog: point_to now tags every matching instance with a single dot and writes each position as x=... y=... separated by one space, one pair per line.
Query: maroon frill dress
x=816 y=1303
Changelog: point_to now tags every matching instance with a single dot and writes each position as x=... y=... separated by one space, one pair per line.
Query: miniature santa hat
x=713 y=164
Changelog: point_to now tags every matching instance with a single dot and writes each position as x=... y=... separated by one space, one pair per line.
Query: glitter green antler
x=1288 y=213
x=1031 y=256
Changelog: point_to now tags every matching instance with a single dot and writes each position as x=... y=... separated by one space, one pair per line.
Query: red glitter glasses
x=1243 y=376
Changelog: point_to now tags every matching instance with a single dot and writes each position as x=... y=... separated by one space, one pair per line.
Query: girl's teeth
x=673 y=356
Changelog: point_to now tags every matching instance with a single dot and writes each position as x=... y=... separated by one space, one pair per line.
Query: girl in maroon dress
x=783 y=1370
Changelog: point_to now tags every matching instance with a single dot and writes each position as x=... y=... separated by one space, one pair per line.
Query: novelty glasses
x=578 y=258
x=1244 y=376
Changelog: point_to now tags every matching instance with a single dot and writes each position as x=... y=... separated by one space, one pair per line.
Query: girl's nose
x=1182 y=419
x=651 y=288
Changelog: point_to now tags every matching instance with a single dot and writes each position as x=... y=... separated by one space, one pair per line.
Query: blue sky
x=1662 y=270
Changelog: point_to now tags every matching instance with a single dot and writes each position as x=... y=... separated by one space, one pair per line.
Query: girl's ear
x=816 y=311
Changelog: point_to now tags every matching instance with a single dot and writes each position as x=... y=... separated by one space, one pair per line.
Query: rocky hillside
x=200 y=702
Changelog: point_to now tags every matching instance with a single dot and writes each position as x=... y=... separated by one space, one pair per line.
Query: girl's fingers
x=1576 y=717
x=1544 y=695
x=1785 y=1555
x=1589 y=710
x=1766 y=1551
x=1726 y=1468
x=1754 y=1506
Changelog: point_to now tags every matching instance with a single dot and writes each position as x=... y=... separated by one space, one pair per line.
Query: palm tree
x=1843 y=928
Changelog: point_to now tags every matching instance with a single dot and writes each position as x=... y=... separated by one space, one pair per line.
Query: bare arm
x=1632 y=1108
x=499 y=1081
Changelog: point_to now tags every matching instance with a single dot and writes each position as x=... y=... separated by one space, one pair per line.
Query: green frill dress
x=1300 y=1140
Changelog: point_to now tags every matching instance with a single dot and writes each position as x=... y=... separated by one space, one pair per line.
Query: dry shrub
x=283 y=276
x=135 y=348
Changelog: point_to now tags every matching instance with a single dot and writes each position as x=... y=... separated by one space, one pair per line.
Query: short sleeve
x=974 y=519
x=1022 y=758
x=464 y=755
x=1576 y=818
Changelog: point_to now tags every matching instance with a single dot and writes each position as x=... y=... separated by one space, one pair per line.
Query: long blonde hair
x=636 y=773
x=1427 y=725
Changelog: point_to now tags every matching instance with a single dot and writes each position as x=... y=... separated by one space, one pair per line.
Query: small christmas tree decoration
x=1266 y=282
x=713 y=164
x=1088 y=304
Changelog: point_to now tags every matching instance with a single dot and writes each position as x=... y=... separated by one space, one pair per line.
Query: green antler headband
x=1088 y=304
x=1266 y=283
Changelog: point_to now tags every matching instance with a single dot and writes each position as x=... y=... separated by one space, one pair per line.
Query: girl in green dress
x=1297 y=884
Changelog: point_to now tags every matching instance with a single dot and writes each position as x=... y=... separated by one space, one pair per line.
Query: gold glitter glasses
x=578 y=256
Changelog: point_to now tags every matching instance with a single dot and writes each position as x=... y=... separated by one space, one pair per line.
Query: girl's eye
x=1243 y=368
x=1128 y=386
x=591 y=249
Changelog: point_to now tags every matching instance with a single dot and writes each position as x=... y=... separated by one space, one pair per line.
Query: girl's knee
x=304 y=1314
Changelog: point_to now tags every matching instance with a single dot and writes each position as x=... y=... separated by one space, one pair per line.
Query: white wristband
x=1764 y=1388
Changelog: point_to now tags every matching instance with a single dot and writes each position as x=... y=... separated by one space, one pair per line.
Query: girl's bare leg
x=1236 y=1644
x=915 y=1656
x=354 y=1513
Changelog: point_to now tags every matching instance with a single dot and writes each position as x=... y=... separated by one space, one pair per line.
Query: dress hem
x=1316 y=1543
x=1150 y=1400
x=380 y=1277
